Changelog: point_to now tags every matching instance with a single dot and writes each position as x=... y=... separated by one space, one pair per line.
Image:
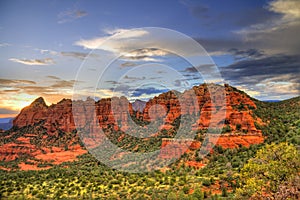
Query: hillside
x=42 y=132
x=51 y=143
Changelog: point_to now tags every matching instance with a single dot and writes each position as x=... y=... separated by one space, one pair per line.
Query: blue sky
x=254 y=44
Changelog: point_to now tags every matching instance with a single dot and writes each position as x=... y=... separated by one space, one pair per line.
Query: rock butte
x=117 y=112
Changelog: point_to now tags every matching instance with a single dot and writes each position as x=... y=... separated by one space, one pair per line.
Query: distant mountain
x=6 y=123
x=138 y=105
x=5 y=120
x=271 y=101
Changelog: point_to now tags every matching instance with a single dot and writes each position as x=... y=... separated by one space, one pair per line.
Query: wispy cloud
x=289 y=8
x=247 y=53
x=141 y=44
x=147 y=54
x=128 y=64
x=78 y=55
x=70 y=15
x=122 y=42
x=7 y=111
x=147 y=91
x=114 y=46
x=4 y=82
x=107 y=93
x=45 y=61
x=15 y=93
x=53 y=77
x=4 y=44
x=59 y=84
x=52 y=84
x=47 y=51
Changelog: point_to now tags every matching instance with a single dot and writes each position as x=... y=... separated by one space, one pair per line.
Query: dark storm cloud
x=202 y=68
x=253 y=16
x=220 y=44
x=273 y=65
x=277 y=72
x=190 y=70
x=248 y=53
x=150 y=90
x=274 y=76
x=238 y=18
x=273 y=29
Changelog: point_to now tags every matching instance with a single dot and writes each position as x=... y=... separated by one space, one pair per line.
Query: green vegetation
x=269 y=169
x=87 y=178
x=274 y=172
x=282 y=120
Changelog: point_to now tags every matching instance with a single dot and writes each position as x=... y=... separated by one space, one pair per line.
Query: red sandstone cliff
x=55 y=116
x=116 y=112
x=237 y=110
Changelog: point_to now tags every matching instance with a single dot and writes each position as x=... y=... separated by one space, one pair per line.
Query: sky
x=57 y=48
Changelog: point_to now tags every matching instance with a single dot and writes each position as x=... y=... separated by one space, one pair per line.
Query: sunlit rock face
x=118 y=113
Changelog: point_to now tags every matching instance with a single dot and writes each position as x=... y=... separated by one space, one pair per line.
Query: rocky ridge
x=58 y=120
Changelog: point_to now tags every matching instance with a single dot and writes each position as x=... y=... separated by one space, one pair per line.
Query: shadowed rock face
x=138 y=105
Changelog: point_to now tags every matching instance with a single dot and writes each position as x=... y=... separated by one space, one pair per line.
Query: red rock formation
x=174 y=148
x=235 y=108
x=194 y=164
x=57 y=116
x=170 y=106
x=234 y=141
x=31 y=114
x=204 y=101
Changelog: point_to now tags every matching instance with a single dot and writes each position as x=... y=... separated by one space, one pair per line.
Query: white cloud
x=107 y=93
x=146 y=52
x=91 y=43
x=289 y=8
x=218 y=53
x=280 y=33
x=4 y=44
x=45 y=61
x=119 y=35
x=143 y=44
x=46 y=51
x=122 y=40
